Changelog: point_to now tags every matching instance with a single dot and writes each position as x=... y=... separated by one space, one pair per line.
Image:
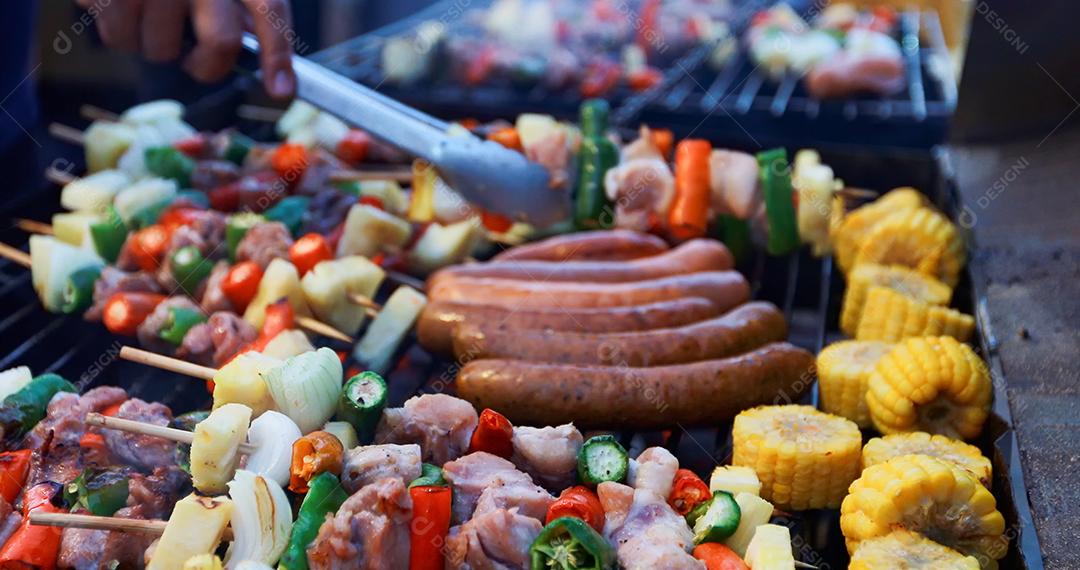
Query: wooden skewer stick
x=167 y=363
x=61 y=177
x=366 y=175
x=95 y=113
x=367 y=303
x=324 y=329
x=259 y=113
x=67 y=134
x=33 y=226
x=14 y=254
x=403 y=279
x=132 y=426
x=94 y=522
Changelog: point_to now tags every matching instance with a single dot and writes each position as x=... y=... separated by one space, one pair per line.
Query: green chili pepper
x=22 y=410
x=100 y=491
x=602 y=459
x=735 y=234
x=430 y=476
x=362 y=403
x=779 y=208
x=598 y=154
x=569 y=543
x=237 y=147
x=719 y=519
x=186 y=422
x=190 y=268
x=324 y=497
x=168 y=162
x=290 y=211
x=108 y=235
x=178 y=323
x=236 y=227
x=79 y=290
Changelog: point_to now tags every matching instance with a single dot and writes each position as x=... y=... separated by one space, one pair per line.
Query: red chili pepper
x=430 y=524
x=378 y=259
x=508 y=137
x=279 y=317
x=241 y=284
x=193 y=146
x=581 y=503
x=173 y=218
x=93 y=442
x=308 y=251
x=148 y=246
x=497 y=223
x=34 y=546
x=373 y=201
x=14 y=465
x=480 y=66
x=716 y=556
x=225 y=198
x=601 y=76
x=689 y=212
x=126 y=310
x=664 y=140
x=493 y=434
x=687 y=491
x=354 y=147
x=289 y=161
x=644 y=78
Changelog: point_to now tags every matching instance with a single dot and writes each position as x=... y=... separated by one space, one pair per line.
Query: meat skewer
x=141 y=428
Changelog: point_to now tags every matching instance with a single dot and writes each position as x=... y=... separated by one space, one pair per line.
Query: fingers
x=273 y=22
x=163 y=29
x=118 y=24
x=218 y=31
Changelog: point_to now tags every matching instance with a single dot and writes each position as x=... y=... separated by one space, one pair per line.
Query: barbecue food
x=882 y=449
x=602 y=245
x=911 y=283
x=890 y=316
x=843 y=370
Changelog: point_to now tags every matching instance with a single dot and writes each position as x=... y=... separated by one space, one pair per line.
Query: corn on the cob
x=911 y=283
x=919 y=238
x=906 y=550
x=882 y=449
x=804 y=458
x=926 y=495
x=854 y=227
x=890 y=316
x=843 y=369
x=931 y=384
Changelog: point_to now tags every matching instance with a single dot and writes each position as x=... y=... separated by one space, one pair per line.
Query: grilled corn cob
x=931 y=384
x=882 y=449
x=905 y=550
x=890 y=316
x=843 y=369
x=901 y=279
x=929 y=496
x=851 y=230
x=804 y=458
x=918 y=238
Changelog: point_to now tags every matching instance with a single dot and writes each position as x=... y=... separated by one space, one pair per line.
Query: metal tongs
x=485 y=173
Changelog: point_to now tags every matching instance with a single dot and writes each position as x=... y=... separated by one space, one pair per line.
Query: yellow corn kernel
x=882 y=449
x=907 y=281
x=919 y=238
x=889 y=316
x=853 y=228
x=804 y=458
x=928 y=496
x=906 y=550
x=932 y=384
x=843 y=369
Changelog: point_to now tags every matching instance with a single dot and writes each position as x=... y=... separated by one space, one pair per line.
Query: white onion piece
x=307 y=387
x=273 y=435
x=261 y=520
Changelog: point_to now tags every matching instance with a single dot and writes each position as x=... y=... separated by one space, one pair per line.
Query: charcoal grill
x=808 y=291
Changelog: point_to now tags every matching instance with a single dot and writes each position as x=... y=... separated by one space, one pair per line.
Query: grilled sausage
x=745 y=328
x=609 y=245
x=690 y=257
x=439 y=319
x=726 y=289
x=615 y=397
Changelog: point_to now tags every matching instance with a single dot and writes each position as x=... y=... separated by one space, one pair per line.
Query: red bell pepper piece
x=493 y=434
x=373 y=201
x=689 y=212
x=308 y=251
x=34 y=546
x=581 y=503
x=193 y=146
x=354 y=147
x=148 y=246
x=241 y=284
x=687 y=491
x=14 y=465
x=430 y=525
x=289 y=161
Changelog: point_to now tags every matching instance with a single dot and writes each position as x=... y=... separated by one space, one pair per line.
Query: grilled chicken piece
x=654 y=471
x=482 y=479
x=370 y=531
x=499 y=539
x=646 y=531
x=548 y=454
x=367 y=464
x=440 y=424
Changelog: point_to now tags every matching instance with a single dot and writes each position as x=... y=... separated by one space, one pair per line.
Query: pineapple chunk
x=74 y=228
x=215 y=449
x=755 y=512
x=279 y=280
x=240 y=382
x=195 y=527
x=369 y=230
x=153 y=112
x=288 y=343
x=105 y=142
x=329 y=284
x=770 y=549
x=298 y=115
x=329 y=131
x=443 y=245
x=345 y=433
x=735 y=479
x=51 y=263
x=14 y=379
x=95 y=192
x=143 y=194
x=532 y=128
x=394 y=321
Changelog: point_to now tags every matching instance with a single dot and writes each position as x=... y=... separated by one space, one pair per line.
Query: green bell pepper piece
x=178 y=323
x=569 y=543
x=779 y=206
x=597 y=155
x=100 y=491
x=186 y=422
x=735 y=234
x=236 y=227
x=109 y=235
x=602 y=459
x=362 y=403
x=237 y=147
x=190 y=268
x=290 y=211
x=79 y=290
x=168 y=162
x=324 y=497
x=22 y=410
x=430 y=476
